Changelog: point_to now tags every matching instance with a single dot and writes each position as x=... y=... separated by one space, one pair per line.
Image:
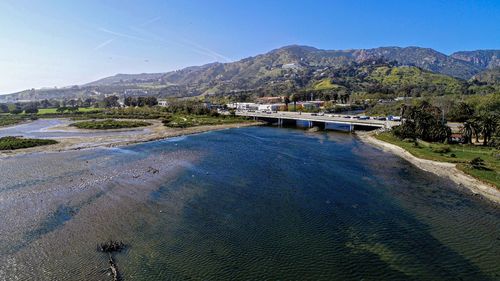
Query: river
x=257 y=203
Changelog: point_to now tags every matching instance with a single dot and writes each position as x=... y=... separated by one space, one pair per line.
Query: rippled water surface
x=242 y=204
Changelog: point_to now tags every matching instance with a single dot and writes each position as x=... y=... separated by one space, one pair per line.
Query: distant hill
x=484 y=59
x=293 y=68
x=127 y=79
x=489 y=76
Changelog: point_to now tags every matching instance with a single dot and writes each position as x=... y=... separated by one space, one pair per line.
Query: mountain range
x=293 y=68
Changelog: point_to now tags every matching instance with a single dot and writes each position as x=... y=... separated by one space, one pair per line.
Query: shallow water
x=45 y=128
x=241 y=204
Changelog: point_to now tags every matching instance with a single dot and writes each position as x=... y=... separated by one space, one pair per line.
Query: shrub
x=477 y=163
x=11 y=143
x=16 y=111
x=109 y=124
x=441 y=149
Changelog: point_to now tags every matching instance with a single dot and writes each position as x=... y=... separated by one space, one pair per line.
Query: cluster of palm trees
x=427 y=122
x=424 y=122
x=485 y=125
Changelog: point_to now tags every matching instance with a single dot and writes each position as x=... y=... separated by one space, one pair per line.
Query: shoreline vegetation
x=108 y=124
x=442 y=169
x=460 y=155
x=470 y=157
x=14 y=143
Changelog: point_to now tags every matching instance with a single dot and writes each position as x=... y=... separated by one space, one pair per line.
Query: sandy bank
x=156 y=131
x=442 y=169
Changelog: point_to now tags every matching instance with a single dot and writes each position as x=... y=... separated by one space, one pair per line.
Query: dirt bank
x=442 y=169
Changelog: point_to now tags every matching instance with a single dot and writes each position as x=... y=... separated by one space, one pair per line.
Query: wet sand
x=442 y=169
x=96 y=138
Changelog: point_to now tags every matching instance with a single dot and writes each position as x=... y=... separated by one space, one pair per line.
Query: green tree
x=294 y=98
x=31 y=108
x=111 y=101
x=130 y=101
x=151 y=101
x=16 y=110
x=424 y=122
x=4 y=108
x=488 y=123
x=461 y=112
x=287 y=101
x=466 y=130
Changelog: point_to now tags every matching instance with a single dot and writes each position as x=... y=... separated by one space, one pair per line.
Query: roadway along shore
x=442 y=169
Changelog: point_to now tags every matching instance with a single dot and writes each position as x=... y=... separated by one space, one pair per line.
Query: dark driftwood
x=114 y=269
x=111 y=247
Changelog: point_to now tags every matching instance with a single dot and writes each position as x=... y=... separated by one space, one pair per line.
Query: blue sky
x=59 y=43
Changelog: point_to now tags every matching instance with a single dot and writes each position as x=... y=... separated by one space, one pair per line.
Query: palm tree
x=476 y=127
x=294 y=98
x=488 y=126
x=287 y=101
x=466 y=132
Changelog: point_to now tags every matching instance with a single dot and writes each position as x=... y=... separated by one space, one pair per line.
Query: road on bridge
x=327 y=118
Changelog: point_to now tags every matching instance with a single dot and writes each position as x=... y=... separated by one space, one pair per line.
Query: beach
x=442 y=169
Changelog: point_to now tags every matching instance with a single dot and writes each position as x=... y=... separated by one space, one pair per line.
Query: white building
x=163 y=103
x=243 y=106
x=271 y=107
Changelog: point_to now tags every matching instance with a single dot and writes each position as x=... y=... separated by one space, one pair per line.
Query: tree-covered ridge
x=411 y=78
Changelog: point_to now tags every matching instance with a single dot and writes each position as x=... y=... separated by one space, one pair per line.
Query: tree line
x=140 y=101
x=427 y=122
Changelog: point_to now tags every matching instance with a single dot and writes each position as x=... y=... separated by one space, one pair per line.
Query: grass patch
x=12 y=143
x=185 y=121
x=45 y=111
x=8 y=120
x=109 y=124
x=325 y=84
x=454 y=153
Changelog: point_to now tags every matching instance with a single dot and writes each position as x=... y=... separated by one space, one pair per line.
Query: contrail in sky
x=150 y=21
x=121 y=34
x=105 y=43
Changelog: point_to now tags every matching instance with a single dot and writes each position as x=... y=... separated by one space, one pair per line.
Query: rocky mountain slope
x=285 y=70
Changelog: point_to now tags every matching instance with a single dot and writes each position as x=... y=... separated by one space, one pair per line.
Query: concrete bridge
x=326 y=121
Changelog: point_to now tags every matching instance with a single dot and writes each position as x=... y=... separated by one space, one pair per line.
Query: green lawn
x=460 y=154
x=12 y=143
x=43 y=111
x=109 y=124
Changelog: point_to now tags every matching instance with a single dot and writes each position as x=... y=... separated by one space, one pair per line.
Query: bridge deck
x=324 y=118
